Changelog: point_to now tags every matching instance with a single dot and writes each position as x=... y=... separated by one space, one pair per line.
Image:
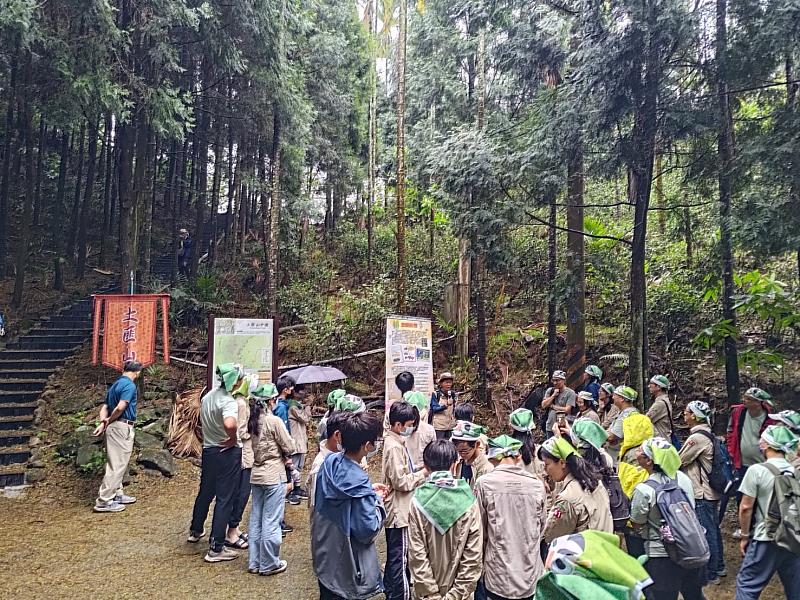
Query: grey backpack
x=783 y=514
x=681 y=533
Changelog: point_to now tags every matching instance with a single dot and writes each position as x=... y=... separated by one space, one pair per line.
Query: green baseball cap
x=594 y=371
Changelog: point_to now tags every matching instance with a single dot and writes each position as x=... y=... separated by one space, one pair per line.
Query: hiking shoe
x=286 y=528
x=109 y=507
x=293 y=498
x=124 y=499
x=279 y=569
x=195 y=537
x=301 y=493
x=737 y=535
x=223 y=555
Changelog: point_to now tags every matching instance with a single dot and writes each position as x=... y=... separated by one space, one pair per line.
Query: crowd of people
x=611 y=503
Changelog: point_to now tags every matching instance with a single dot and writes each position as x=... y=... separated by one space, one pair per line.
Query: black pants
x=219 y=476
x=669 y=580
x=634 y=544
x=240 y=498
x=396 y=576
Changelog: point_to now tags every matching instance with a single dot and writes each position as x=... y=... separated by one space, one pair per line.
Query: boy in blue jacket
x=348 y=516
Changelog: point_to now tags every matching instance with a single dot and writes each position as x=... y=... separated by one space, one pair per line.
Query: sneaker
x=723 y=573
x=223 y=555
x=112 y=506
x=737 y=535
x=279 y=569
x=195 y=537
x=715 y=581
x=293 y=498
x=124 y=499
x=286 y=528
x=301 y=493
x=252 y=571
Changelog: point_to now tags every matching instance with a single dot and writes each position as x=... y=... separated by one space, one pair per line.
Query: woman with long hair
x=272 y=446
x=607 y=411
x=582 y=499
x=522 y=424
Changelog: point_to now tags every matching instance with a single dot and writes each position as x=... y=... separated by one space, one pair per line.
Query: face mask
x=407 y=431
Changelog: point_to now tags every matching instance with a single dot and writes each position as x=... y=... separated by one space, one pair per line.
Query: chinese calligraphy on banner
x=129 y=328
x=409 y=347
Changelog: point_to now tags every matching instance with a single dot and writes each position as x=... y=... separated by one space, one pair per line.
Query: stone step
x=18 y=397
x=34 y=354
x=17 y=409
x=16 y=437
x=14 y=455
x=28 y=367
x=45 y=343
x=22 y=385
x=12 y=475
x=17 y=422
x=60 y=324
x=84 y=332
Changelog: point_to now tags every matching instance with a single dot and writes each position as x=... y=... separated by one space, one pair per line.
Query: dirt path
x=56 y=547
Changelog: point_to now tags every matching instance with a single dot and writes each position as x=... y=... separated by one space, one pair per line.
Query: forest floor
x=58 y=548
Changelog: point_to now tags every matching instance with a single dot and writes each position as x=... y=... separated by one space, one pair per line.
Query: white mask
x=407 y=431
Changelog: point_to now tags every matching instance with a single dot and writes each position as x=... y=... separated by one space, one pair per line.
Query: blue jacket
x=435 y=406
x=282 y=412
x=594 y=389
x=348 y=516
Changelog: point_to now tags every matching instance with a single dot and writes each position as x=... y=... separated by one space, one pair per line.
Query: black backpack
x=619 y=503
x=721 y=478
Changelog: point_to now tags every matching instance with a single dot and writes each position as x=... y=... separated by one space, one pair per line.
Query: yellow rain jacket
x=636 y=429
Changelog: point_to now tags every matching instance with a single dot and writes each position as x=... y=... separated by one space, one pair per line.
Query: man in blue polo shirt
x=117 y=418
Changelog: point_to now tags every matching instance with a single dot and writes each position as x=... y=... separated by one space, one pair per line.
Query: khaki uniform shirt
x=298 y=422
x=417 y=441
x=591 y=415
x=576 y=510
x=444 y=420
x=445 y=566
x=270 y=448
x=697 y=455
x=397 y=473
x=610 y=416
x=480 y=466
x=241 y=425
x=660 y=414
x=512 y=505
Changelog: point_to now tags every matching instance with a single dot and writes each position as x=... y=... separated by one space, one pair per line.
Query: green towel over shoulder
x=443 y=500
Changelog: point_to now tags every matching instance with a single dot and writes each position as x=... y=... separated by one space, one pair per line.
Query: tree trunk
x=76 y=204
x=576 y=315
x=61 y=186
x=150 y=210
x=6 y=179
x=170 y=198
x=659 y=185
x=27 y=209
x=107 y=191
x=215 y=186
x=373 y=139
x=400 y=204
x=725 y=146
x=552 y=305
x=687 y=234
x=37 y=201
x=126 y=201
x=87 y=199
x=139 y=188
x=480 y=259
x=275 y=214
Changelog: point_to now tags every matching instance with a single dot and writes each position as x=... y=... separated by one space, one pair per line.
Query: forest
x=568 y=178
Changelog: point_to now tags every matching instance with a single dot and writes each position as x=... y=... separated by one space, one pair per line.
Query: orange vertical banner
x=129 y=325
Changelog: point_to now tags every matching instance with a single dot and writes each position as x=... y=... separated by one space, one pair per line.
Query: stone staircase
x=25 y=365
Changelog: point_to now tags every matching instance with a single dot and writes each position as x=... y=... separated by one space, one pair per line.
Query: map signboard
x=409 y=347
x=253 y=343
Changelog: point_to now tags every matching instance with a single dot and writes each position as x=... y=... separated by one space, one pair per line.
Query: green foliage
x=193 y=301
